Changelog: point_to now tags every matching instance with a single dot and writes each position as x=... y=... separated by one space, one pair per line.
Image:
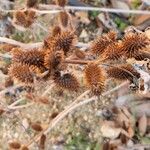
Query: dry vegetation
x=62 y=94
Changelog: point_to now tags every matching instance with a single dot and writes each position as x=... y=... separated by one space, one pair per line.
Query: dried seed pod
x=134 y=42
x=64 y=41
x=64 y=18
x=33 y=57
x=66 y=81
x=80 y=54
x=112 y=52
x=15 y=145
x=24 y=18
x=31 y=3
x=95 y=78
x=99 y=44
x=56 y=31
x=36 y=126
x=52 y=59
x=123 y=72
x=23 y=72
x=61 y=3
x=42 y=141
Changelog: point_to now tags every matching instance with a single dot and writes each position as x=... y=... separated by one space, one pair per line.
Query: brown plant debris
x=66 y=81
x=61 y=3
x=123 y=72
x=31 y=57
x=95 y=78
x=36 y=126
x=64 y=18
x=42 y=141
x=23 y=72
x=15 y=145
x=99 y=44
x=132 y=43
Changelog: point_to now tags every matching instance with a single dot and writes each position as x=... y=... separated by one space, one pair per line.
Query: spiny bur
x=53 y=59
x=61 y=3
x=23 y=73
x=95 y=78
x=123 y=72
x=31 y=57
x=112 y=52
x=64 y=41
x=66 y=81
x=132 y=43
x=100 y=44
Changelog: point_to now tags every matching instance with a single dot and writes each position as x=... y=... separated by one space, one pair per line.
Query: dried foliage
x=66 y=81
x=95 y=78
x=123 y=72
x=52 y=66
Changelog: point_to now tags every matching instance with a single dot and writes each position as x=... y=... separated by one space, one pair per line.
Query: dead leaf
x=142 y=124
x=109 y=130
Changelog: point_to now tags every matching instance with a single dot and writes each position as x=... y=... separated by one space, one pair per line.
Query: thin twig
x=111 y=10
x=32 y=45
x=16 y=102
x=21 y=106
x=23 y=45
